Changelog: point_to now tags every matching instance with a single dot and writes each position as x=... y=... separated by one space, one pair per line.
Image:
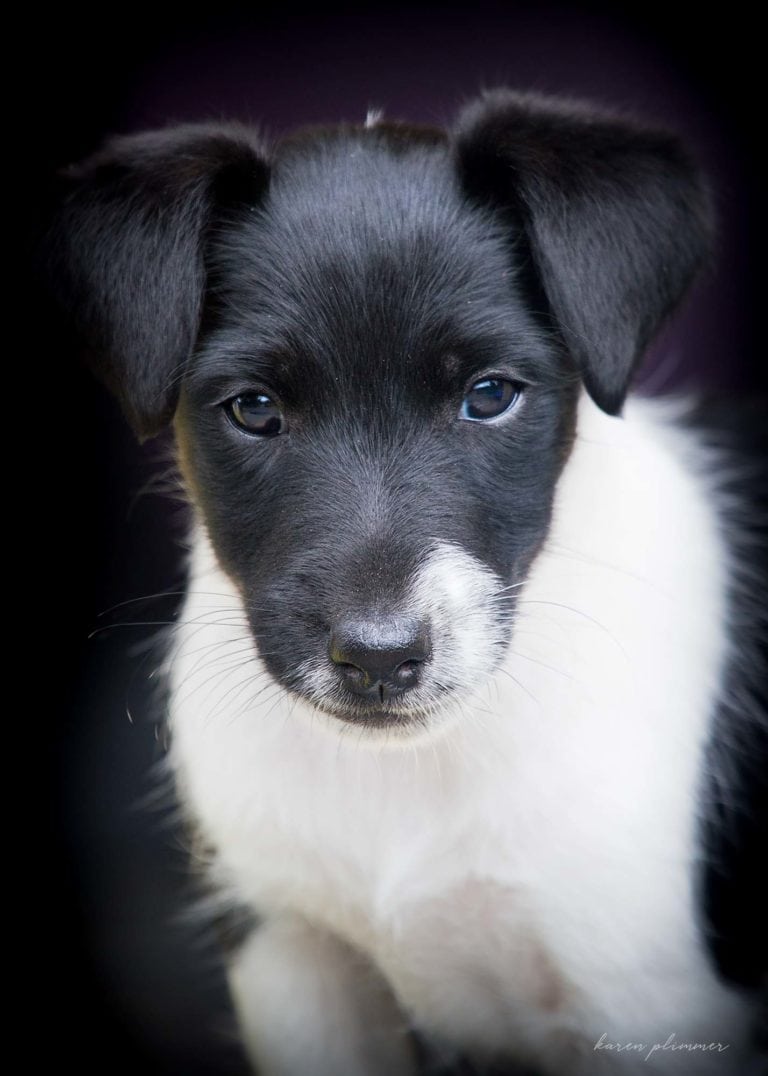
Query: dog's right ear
x=126 y=253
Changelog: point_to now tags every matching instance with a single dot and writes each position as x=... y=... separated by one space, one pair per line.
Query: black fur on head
x=127 y=253
x=615 y=215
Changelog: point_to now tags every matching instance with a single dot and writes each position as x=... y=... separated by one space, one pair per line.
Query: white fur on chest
x=534 y=856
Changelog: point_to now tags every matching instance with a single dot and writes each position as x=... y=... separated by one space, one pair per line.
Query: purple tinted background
x=137 y=992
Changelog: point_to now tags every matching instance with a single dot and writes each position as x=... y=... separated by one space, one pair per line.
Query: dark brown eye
x=256 y=414
x=489 y=398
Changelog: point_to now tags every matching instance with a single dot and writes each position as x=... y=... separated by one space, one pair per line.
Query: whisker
x=522 y=686
x=164 y=594
x=222 y=620
x=577 y=612
x=543 y=664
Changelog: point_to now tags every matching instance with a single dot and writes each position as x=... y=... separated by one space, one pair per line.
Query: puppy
x=461 y=689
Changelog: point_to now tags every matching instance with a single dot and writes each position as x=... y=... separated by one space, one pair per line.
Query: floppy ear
x=126 y=253
x=616 y=218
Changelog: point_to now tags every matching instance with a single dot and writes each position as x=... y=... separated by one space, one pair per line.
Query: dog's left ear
x=616 y=217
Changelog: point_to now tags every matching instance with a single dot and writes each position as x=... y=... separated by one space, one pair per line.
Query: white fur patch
x=460 y=598
x=522 y=877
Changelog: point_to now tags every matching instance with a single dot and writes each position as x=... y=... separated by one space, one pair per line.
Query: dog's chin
x=394 y=720
x=386 y=722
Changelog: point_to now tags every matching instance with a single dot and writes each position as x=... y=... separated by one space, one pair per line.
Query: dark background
x=122 y=980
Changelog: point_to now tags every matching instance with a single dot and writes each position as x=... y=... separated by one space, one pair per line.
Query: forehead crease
x=412 y=290
x=328 y=267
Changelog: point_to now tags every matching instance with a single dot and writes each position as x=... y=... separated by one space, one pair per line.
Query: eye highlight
x=489 y=398
x=256 y=414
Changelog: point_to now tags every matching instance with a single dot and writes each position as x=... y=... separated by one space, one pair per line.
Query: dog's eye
x=256 y=413
x=490 y=398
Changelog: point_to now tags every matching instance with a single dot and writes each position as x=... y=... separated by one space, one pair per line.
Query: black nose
x=378 y=657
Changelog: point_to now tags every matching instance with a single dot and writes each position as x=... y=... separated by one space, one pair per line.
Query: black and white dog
x=464 y=699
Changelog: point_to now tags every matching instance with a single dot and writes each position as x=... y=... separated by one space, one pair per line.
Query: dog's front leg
x=309 y=1005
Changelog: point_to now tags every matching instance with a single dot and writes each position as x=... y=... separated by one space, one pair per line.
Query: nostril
x=407 y=672
x=350 y=672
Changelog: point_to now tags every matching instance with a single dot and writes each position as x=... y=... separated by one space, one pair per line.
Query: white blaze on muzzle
x=463 y=601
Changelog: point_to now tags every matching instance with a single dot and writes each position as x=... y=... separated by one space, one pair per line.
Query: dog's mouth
x=383 y=717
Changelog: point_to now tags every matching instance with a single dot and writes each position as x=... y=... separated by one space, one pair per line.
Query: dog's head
x=371 y=340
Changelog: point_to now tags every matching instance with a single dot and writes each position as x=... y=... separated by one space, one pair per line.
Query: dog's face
x=373 y=341
x=373 y=426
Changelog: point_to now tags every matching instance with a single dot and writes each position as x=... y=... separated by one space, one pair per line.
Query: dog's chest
x=402 y=858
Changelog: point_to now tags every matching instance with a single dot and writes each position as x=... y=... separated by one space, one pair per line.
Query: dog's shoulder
x=715 y=450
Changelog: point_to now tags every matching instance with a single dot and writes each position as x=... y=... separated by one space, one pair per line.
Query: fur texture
x=451 y=673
